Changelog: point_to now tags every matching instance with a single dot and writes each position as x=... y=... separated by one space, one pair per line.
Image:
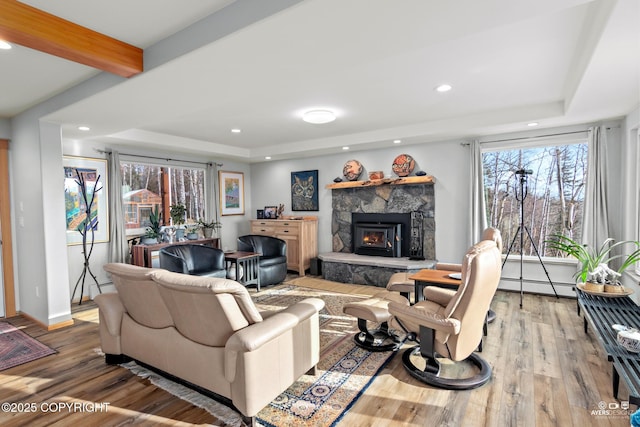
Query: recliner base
x=367 y=338
x=431 y=373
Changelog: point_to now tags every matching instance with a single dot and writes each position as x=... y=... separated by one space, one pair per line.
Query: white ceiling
x=375 y=62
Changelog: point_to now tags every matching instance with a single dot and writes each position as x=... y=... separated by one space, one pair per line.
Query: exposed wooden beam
x=39 y=30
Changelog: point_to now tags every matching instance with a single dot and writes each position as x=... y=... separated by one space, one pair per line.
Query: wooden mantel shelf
x=427 y=179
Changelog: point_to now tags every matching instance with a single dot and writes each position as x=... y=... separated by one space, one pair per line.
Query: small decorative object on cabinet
x=301 y=236
x=270 y=212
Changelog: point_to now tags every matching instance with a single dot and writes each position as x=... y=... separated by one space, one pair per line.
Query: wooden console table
x=143 y=255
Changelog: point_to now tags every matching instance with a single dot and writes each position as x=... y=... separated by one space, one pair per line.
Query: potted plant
x=594 y=269
x=192 y=231
x=177 y=213
x=152 y=232
x=209 y=227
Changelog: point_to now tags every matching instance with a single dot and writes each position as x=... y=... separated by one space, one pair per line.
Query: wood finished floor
x=546 y=372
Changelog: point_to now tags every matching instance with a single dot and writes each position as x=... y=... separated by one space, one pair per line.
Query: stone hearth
x=367 y=270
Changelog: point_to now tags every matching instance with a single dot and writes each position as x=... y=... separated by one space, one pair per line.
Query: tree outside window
x=555 y=198
x=147 y=186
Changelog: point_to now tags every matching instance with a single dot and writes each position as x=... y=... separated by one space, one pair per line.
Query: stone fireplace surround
x=343 y=266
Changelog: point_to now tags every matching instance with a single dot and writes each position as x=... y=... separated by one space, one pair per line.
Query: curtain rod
x=160 y=158
x=531 y=137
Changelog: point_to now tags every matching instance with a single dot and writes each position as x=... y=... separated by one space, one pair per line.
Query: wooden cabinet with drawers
x=301 y=236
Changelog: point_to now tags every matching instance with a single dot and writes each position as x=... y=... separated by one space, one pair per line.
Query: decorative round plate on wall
x=352 y=170
x=403 y=165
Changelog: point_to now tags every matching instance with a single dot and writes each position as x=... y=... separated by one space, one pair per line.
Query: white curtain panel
x=210 y=192
x=478 y=214
x=118 y=246
x=596 y=219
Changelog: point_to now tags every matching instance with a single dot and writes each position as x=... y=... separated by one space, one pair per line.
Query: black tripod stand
x=520 y=196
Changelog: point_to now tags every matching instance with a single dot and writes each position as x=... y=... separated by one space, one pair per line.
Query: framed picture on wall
x=304 y=191
x=91 y=174
x=231 y=193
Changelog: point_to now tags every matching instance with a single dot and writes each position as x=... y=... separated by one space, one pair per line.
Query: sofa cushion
x=216 y=307
x=140 y=295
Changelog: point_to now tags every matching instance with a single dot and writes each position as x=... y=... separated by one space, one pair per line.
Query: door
x=7 y=292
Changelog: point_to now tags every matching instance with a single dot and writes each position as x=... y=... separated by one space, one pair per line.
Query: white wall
x=630 y=211
x=5 y=128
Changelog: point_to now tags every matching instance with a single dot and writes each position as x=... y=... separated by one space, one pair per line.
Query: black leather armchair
x=273 y=261
x=197 y=260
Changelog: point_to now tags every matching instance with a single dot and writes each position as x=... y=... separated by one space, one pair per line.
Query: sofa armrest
x=255 y=336
x=172 y=262
x=112 y=311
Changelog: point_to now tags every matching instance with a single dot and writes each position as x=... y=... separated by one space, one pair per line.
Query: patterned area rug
x=17 y=348
x=344 y=371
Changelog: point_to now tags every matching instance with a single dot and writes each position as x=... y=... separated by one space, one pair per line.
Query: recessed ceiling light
x=267 y=157
x=397 y=141
x=532 y=124
x=4 y=45
x=319 y=117
x=84 y=128
x=444 y=88
x=345 y=148
x=236 y=130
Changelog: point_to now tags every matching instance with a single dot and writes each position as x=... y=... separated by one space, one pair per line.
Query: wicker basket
x=593 y=287
x=614 y=289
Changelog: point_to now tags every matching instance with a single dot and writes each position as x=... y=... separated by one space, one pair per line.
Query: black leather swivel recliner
x=273 y=261
x=197 y=260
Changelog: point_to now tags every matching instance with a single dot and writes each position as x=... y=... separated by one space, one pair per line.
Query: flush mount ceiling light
x=397 y=141
x=532 y=124
x=345 y=148
x=236 y=130
x=443 y=88
x=4 y=45
x=319 y=117
x=84 y=128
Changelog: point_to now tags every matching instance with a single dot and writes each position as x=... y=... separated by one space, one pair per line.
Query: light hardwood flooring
x=546 y=372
